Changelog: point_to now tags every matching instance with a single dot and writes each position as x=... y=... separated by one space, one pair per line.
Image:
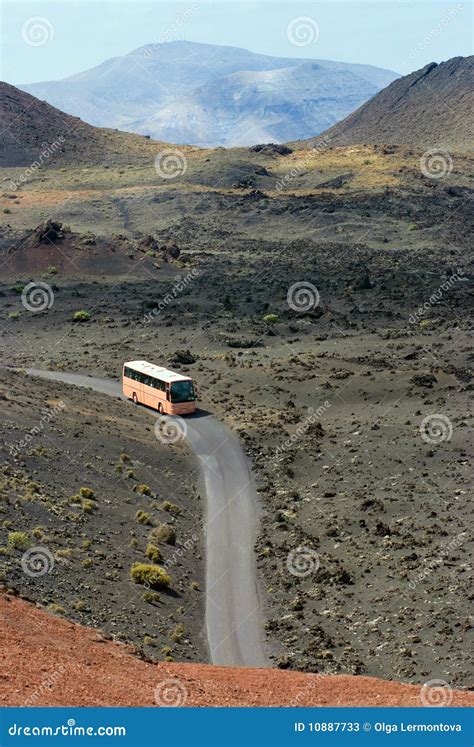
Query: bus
x=168 y=392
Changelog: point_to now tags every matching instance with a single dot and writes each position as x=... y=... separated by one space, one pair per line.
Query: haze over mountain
x=432 y=107
x=214 y=95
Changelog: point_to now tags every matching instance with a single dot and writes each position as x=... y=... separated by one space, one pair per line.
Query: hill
x=202 y=93
x=432 y=107
x=42 y=651
x=36 y=132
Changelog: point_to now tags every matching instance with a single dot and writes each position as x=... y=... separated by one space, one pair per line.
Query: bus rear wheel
x=160 y=408
x=135 y=398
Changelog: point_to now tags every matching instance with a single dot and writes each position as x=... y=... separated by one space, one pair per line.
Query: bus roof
x=157 y=371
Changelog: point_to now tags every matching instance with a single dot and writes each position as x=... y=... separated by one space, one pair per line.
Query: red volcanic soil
x=48 y=661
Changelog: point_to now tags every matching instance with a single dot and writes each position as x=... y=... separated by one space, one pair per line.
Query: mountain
x=430 y=108
x=35 y=132
x=211 y=95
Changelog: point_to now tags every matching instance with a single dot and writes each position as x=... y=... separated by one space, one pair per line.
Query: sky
x=49 y=40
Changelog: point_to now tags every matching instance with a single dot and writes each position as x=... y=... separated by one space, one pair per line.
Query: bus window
x=182 y=391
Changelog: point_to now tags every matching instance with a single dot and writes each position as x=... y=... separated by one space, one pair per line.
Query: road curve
x=233 y=614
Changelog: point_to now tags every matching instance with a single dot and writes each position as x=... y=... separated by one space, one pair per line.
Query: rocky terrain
x=430 y=108
x=213 y=95
x=324 y=298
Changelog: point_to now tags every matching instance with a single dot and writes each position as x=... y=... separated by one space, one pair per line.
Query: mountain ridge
x=141 y=91
x=431 y=107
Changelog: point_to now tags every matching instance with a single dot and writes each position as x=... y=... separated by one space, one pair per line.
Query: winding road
x=233 y=614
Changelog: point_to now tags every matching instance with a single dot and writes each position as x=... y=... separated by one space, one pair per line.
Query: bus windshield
x=182 y=391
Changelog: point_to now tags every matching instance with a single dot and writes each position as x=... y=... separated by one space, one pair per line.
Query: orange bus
x=164 y=390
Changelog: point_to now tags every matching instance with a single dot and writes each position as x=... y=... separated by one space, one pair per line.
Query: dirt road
x=233 y=614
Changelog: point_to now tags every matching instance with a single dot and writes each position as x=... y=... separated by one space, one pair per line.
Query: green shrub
x=164 y=533
x=172 y=508
x=14 y=315
x=56 y=609
x=144 y=489
x=143 y=517
x=153 y=553
x=86 y=493
x=88 y=506
x=152 y=597
x=18 y=288
x=18 y=540
x=81 y=316
x=177 y=634
x=153 y=575
x=270 y=318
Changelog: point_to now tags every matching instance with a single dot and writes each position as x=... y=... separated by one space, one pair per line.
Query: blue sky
x=402 y=36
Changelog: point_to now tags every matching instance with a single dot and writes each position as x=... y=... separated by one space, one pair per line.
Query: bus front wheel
x=160 y=408
x=135 y=398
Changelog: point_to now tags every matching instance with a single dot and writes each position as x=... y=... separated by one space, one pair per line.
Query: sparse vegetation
x=81 y=316
x=143 y=517
x=271 y=318
x=153 y=575
x=164 y=533
x=153 y=553
x=152 y=597
x=86 y=493
x=18 y=540
x=172 y=508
